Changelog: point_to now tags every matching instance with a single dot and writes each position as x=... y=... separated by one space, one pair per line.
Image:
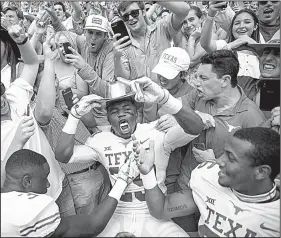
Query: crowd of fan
x=171 y=43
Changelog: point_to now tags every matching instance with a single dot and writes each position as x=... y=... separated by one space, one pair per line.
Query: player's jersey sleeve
x=28 y=215
x=83 y=154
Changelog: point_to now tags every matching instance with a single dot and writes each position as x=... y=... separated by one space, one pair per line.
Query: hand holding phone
x=67 y=95
x=200 y=146
x=119 y=27
x=65 y=47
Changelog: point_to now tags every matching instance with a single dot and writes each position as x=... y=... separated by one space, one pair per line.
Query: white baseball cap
x=97 y=22
x=172 y=61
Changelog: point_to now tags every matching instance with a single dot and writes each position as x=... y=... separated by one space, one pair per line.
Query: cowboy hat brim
x=261 y=46
x=128 y=97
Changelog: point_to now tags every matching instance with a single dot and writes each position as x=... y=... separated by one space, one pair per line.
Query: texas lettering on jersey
x=115 y=161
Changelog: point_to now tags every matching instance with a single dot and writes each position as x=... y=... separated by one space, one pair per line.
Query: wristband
x=149 y=181
x=173 y=105
x=118 y=189
x=24 y=41
x=71 y=125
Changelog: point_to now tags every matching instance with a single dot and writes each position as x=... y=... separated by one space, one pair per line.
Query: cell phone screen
x=67 y=95
x=65 y=47
x=119 y=27
x=269 y=94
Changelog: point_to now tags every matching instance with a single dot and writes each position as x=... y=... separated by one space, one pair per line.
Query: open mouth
x=132 y=23
x=268 y=11
x=124 y=126
x=269 y=67
x=93 y=45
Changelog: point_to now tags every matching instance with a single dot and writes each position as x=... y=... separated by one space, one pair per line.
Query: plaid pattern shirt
x=53 y=131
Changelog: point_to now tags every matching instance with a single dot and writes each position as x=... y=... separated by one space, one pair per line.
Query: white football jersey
x=114 y=151
x=223 y=214
x=28 y=215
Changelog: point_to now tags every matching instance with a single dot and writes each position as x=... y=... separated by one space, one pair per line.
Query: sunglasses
x=133 y=13
x=3 y=89
x=265 y=2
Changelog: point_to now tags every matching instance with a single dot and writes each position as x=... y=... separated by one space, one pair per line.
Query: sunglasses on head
x=133 y=13
x=265 y=2
x=3 y=89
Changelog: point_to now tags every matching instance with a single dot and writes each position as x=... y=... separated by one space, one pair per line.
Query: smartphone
x=119 y=27
x=200 y=146
x=269 y=94
x=27 y=110
x=67 y=95
x=223 y=6
x=65 y=47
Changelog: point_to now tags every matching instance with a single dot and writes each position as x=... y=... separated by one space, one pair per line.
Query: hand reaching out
x=25 y=130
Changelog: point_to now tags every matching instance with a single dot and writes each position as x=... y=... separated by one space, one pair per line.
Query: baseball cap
x=172 y=61
x=97 y=22
x=275 y=43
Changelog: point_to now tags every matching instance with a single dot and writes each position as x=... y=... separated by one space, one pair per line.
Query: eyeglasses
x=3 y=89
x=133 y=13
x=265 y=2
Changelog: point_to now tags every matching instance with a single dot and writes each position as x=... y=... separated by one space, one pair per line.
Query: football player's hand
x=84 y=106
x=25 y=130
x=203 y=155
x=207 y=119
x=145 y=159
x=129 y=171
x=165 y=122
x=148 y=91
x=275 y=116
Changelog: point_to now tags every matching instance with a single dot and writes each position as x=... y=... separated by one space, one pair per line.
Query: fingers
x=73 y=51
x=75 y=99
x=27 y=121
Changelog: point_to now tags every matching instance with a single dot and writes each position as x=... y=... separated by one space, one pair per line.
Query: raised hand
x=17 y=33
x=148 y=91
x=75 y=59
x=85 y=105
x=215 y=7
x=145 y=158
x=129 y=171
x=49 y=48
x=25 y=130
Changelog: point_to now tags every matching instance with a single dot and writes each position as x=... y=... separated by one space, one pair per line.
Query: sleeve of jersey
x=176 y=137
x=45 y=218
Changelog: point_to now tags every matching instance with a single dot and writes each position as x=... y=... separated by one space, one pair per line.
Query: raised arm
x=207 y=42
x=46 y=96
x=65 y=145
x=160 y=206
x=77 y=13
x=28 y=54
x=179 y=10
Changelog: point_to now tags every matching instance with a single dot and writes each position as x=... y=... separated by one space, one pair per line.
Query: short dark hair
x=224 y=62
x=14 y=9
x=266 y=144
x=256 y=33
x=124 y=5
x=24 y=160
x=61 y=4
x=197 y=10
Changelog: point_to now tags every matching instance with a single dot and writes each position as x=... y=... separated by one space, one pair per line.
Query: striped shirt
x=28 y=215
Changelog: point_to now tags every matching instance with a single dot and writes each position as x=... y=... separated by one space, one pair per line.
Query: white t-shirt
x=28 y=215
x=223 y=214
x=249 y=64
x=18 y=96
x=113 y=151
